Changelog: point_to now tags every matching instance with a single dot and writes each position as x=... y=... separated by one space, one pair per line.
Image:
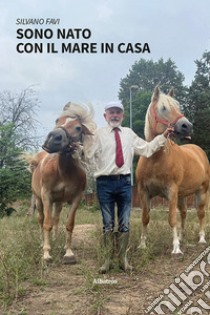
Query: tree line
x=17 y=129
x=18 y=116
x=194 y=100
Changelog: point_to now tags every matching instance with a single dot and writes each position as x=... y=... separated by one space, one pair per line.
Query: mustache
x=115 y=120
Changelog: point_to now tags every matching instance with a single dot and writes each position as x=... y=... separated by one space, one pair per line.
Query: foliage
x=20 y=111
x=139 y=107
x=146 y=75
x=16 y=123
x=14 y=177
x=199 y=103
x=137 y=87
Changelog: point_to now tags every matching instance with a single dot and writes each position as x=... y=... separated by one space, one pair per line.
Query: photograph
x=104 y=157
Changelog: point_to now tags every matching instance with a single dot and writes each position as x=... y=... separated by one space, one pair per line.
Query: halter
x=67 y=134
x=72 y=145
x=163 y=121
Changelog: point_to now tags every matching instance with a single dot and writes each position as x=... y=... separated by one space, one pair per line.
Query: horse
x=174 y=172
x=58 y=174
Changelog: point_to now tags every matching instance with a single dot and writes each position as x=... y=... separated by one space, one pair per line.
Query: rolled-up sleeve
x=146 y=149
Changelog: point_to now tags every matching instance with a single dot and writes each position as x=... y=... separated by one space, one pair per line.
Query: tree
x=20 y=110
x=199 y=103
x=146 y=75
x=16 y=125
x=140 y=104
x=14 y=177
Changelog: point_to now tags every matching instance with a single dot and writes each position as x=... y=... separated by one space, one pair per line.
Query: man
x=113 y=179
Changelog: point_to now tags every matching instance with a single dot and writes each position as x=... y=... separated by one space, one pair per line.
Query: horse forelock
x=165 y=107
x=64 y=120
x=169 y=102
x=83 y=113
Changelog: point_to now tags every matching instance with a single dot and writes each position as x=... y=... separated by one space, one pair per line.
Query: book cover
x=55 y=52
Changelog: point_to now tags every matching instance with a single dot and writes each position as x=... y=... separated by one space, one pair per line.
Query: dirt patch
x=79 y=289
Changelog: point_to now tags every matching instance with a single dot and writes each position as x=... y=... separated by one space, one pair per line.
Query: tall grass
x=21 y=253
x=19 y=256
x=20 y=249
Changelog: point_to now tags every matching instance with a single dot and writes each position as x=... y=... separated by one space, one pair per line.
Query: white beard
x=115 y=124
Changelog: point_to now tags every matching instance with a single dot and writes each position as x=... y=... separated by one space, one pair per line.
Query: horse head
x=70 y=129
x=163 y=111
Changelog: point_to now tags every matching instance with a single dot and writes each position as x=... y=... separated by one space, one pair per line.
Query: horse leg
x=183 y=214
x=39 y=206
x=172 y=219
x=201 y=202
x=145 y=202
x=56 y=217
x=47 y=225
x=69 y=257
x=32 y=208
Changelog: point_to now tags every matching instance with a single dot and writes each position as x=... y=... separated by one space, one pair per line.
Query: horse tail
x=33 y=160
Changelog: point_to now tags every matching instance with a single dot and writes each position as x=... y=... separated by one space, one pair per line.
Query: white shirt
x=101 y=154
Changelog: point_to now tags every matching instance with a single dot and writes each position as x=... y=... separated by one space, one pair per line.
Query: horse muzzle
x=183 y=129
x=56 y=141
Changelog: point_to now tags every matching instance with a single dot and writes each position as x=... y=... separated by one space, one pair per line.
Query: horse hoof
x=69 y=260
x=142 y=246
x=177 y=252
x=202 y=243
x=48 y=259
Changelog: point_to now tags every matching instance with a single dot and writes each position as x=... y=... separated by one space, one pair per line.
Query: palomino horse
x=173 y=172
x=58 y=175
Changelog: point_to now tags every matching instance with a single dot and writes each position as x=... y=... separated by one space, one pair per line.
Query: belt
x=114 y=177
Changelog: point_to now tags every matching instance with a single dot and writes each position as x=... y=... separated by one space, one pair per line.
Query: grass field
x=28 y=286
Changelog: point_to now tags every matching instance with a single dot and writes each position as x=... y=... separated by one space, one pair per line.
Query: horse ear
x=85 y=130
x=171 y=92
x=67 y=106
x=156 y=94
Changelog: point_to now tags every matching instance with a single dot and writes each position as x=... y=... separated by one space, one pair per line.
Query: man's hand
x=168 y=132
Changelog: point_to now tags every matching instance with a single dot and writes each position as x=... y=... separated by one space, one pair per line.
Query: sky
x=176 y=29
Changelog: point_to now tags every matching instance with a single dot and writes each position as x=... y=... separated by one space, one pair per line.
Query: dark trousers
x=111 y=190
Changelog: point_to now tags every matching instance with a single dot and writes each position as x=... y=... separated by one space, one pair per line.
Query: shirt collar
x=110 y=129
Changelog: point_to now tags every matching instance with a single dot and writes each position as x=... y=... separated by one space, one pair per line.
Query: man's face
x=114 y=116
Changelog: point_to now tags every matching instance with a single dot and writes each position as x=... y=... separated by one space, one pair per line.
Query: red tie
x=119 y=160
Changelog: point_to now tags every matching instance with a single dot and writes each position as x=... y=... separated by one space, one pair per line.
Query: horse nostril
x=187 y=127
x=184 y=126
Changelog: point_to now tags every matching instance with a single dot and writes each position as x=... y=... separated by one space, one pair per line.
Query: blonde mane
x=158 y=101
x=147 y=124
x=84 y=113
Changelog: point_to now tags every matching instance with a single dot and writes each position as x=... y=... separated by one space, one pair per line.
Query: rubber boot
x=123 y=238
x=108 y=239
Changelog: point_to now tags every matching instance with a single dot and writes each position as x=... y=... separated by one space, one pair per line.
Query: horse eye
x=78 y=128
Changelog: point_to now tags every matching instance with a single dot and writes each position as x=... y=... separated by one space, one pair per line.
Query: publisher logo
x=179 y=297
x=104 y=281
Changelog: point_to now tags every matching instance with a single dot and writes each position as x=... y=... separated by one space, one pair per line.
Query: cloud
x=178 y=31
x=104 y=10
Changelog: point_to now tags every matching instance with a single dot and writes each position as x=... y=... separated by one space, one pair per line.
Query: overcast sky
x=176 y=29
